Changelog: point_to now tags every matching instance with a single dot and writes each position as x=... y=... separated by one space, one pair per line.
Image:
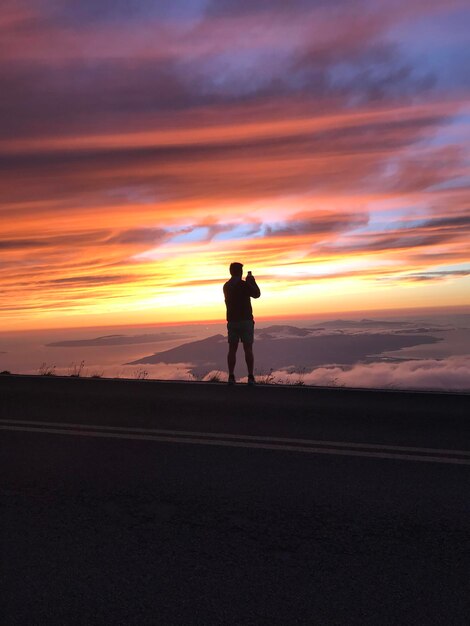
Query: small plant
x=141 y=374
x=214 y=378
x=267 y=379
x=300 y=380
x=5 y=373
x=77 y=370
x=97 y=374
x=198 y=376
x=335 y=382
x=46 y=370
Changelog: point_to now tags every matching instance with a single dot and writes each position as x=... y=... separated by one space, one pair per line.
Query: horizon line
x=456 y=309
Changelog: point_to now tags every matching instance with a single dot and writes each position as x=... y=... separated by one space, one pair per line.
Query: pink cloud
x=450 y=374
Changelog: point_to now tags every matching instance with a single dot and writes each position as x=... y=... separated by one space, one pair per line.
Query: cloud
x=243 y=7
x=138 y=120
x=315 y=224
x=86 y=12
x=87 y=280
x=450 y=374
x=431 y=232
x=324 y=160
x=436 y=276
x=107 y=72
x=429 y=168
x=59 y=241
x=447 y=223
x=299 y=225
x=141 y=236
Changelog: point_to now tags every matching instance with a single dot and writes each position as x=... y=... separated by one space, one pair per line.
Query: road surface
x=137 y=502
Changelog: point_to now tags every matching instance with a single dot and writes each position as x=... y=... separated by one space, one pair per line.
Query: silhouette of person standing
x=240 y=322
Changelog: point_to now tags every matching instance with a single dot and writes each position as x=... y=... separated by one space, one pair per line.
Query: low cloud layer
x=449 y=374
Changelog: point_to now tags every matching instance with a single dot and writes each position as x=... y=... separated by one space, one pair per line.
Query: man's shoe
x=251 y=380
x=231 y=380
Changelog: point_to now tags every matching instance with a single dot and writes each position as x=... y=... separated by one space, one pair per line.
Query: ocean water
x=400 y=351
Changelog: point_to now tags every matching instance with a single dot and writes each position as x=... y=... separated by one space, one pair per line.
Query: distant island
x=292 y=349
x=116 y=340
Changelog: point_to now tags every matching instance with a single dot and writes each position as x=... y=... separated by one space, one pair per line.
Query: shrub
x=77 y=370
x=267 y=379
x=46 y=370
x=141 y=374
x=214 y=378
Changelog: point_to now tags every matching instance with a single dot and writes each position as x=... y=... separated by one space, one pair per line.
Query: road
x=138 y=502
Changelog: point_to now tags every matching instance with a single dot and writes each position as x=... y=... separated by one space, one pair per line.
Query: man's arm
x=254 y=289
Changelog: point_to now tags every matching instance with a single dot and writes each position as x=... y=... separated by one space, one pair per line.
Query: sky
x=146 y=145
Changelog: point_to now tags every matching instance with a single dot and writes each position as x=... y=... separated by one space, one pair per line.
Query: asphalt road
x=135 y=502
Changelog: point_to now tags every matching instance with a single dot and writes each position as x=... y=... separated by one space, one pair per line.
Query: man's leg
x=249 y=358
x=232 y=357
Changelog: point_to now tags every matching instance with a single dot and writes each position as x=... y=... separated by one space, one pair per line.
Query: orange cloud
x=142 y=152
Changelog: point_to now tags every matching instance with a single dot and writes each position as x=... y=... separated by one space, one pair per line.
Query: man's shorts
x=241 y=331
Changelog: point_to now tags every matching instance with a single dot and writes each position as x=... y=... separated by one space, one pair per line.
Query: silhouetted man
x=240 y=323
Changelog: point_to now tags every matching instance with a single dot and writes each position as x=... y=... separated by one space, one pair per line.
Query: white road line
x=258 y=438
x=239 y=444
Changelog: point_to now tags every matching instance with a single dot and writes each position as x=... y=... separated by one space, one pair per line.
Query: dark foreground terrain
x=139 y=502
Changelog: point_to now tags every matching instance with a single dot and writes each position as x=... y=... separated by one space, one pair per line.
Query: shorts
x=241 y=331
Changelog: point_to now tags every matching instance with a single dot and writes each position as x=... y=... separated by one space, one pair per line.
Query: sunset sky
x=145 y=145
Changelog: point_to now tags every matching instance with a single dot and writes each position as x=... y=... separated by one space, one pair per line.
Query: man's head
x=236 y=269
